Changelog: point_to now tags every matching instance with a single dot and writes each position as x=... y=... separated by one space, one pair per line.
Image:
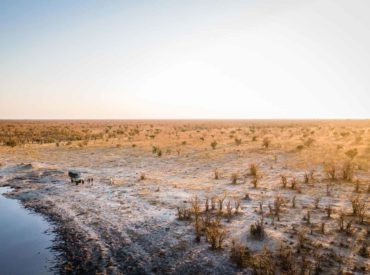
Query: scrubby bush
x=284 y=181
x=240 y=255
x=352 y=153
x=293 y=183
x=11 y=143
x=347 y=171
x=329 y=210
x=331 y=171
x=214 y=145
x=234 y=178
x=238 y=141
x=255 y=181
x=359 y=208
x=253 y=170
x=183 y=214
x=266 y=142
x=257 y=230
x=215 y=234
x=216 y=174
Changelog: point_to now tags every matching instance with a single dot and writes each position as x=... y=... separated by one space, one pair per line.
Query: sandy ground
x=121 y=224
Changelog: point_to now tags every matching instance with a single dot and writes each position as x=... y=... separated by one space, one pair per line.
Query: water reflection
x=25 y=240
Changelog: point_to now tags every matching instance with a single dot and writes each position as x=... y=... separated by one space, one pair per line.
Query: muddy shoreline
x=77 y=254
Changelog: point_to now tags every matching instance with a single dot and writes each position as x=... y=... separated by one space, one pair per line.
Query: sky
x=184 y=59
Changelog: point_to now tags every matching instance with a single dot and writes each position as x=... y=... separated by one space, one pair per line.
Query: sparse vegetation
x=301 y=207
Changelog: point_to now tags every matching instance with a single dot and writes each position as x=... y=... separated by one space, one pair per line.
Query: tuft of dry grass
x=240 y=255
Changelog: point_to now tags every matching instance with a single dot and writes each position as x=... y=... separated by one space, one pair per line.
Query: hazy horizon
x=185 y=60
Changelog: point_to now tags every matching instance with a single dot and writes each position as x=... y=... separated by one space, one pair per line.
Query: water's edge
x=27 y=239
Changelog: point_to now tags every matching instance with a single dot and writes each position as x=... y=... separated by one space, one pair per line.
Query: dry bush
x=253 y=170
x=357 y=186
x=301 y=238
x=352 y=153
x=266 y=142
x=284 y=181
x=238 y=141
x=359 y=208
x=240 y=255
x=206 y=205
x=323 y=228
x=214 y=145
x=364 y=250
x=312 y=175
x=306 y=178
x=343 y=225
x=293 y=183
x=294 y=201
x=220 y=204
x=347 y=171
x=329 y=210
x=234 y=178
x=356 y=204
x=229 y=210
x=142 y=176
x=309 y=177
x=261 y=207
x=213 y=203
x=257 y=230
x=329 y=186
x=11 y=143
x=183 y=214
x=155 y=149
x=278 y=203
x=215 y=234
x=263 y=264
x=349 y=227
x=237 y=205
x=195 y=206
x=317 y=202
x=331 y=171
x=198 y=226
x=287 y=260
x=307 y=217
x=255 y=181
x=216 y=174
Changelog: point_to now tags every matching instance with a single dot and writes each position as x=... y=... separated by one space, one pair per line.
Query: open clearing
x=197 y=197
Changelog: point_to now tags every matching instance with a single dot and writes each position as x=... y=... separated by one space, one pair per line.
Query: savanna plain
x=196 y=196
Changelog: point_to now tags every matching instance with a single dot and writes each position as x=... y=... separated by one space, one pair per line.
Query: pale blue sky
x=185 y=59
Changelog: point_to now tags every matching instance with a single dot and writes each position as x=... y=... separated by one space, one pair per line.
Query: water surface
x=25 y=240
